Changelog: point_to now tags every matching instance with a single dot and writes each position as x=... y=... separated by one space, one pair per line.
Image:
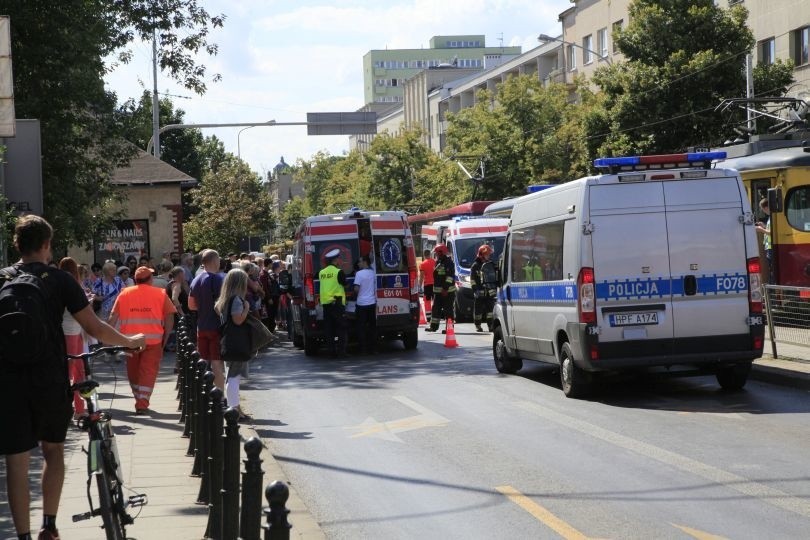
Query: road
x=434 y=443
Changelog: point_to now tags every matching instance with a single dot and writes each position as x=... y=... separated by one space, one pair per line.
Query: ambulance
x=386 y=238
x=463 y=236
x=653 y=263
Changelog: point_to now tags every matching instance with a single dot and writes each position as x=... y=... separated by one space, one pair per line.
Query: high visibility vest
x=330 y=286
x=140 y=311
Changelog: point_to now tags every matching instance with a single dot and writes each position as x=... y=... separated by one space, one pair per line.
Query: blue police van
x=653 y=263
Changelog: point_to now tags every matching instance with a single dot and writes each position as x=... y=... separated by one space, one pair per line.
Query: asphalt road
x=434 y=443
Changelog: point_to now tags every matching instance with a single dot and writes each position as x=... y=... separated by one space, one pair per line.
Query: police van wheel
x=504 y=362
x=574 y=380
x=732 y=378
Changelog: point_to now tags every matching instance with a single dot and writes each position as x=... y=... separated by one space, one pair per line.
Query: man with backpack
x=33 y=368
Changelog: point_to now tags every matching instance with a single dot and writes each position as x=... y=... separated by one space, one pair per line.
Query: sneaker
x=47 y=534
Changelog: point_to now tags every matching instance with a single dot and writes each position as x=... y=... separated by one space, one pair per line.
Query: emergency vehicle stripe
x=378 y=225
x=550 y=291
x=659 y=287
x=481 y=230
x=333 y=228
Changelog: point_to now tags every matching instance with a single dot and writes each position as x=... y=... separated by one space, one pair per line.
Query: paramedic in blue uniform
x=333 y=300
x=444 y=287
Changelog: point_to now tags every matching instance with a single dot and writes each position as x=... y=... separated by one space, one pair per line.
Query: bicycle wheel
x=109 y=501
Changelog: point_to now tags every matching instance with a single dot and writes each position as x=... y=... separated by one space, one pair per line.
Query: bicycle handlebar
x=99 y=351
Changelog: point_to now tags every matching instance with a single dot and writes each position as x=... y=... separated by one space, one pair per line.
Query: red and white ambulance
x=386 y=238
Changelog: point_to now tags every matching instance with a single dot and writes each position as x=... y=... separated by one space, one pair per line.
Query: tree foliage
x=59 y=50
x=682 y=58
x=526 y=133
x=232 y=205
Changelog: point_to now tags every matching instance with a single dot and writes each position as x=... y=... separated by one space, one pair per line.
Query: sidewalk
x=792 y=368
x=153 y=456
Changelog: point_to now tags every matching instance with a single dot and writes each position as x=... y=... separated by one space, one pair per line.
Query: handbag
x=235 y=340
x=260 y=336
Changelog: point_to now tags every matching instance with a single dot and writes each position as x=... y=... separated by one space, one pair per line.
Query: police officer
x=333 y=300
x=444 y=288
x=483 y=279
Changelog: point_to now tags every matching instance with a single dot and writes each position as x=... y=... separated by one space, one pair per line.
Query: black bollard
x=180 y=351
x=230 y=476
x=203 y=438
x=191 y=361
x=277 y=528
x=215 y=465
x=197 y=411
x=250 y=519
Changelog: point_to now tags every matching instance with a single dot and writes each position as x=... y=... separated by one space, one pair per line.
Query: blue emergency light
x=657 y=161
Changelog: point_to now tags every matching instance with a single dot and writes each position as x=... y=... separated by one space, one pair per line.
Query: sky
x=280 y=60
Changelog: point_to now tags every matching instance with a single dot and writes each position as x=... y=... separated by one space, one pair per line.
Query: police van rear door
x=708 y=260
x=628 y=229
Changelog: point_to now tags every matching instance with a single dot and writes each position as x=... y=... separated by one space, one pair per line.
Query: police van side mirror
x=775 y=200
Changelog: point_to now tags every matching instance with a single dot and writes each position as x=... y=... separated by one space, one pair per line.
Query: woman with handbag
x=235 y=343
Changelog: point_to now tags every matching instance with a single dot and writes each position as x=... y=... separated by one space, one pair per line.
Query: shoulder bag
x=235 y=340
x=260 y=336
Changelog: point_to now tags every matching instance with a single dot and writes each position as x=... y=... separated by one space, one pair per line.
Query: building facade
x=385 y=71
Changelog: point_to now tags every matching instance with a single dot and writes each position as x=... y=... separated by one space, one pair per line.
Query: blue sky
x=280 y=60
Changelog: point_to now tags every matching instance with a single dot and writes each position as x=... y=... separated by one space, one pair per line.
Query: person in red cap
x=144 y=309
x=484 y=282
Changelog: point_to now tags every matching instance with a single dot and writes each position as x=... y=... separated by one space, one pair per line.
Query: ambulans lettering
x=387 y=310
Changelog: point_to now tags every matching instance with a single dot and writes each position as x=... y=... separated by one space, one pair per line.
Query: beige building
x=152 y=222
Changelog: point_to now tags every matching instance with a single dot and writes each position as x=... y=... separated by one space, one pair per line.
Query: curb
x=780 y=376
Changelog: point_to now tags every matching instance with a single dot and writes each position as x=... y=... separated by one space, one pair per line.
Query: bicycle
x=103 y=463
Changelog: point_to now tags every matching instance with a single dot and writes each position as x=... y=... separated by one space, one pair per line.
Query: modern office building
x=385 y=71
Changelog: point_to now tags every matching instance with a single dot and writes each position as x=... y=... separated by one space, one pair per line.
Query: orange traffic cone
x=450 y=339
x=422 y=319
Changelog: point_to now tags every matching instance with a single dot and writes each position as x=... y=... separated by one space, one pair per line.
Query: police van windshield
x=466 y=249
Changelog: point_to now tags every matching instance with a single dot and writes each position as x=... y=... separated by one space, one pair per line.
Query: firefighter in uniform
x=484 y=281
x=333 y=300
x=144 y=309
x=444 y=288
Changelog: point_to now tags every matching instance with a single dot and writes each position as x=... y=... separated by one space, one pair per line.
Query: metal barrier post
x=250 y=521
x=196 y=408
x=769 y=313
x=230 y=478
x=203 y=438
x=215 y=464
x=277 y=528
x=190 y=369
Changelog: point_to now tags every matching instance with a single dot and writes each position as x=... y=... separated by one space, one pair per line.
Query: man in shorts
x=204 y=293
x=37 y=394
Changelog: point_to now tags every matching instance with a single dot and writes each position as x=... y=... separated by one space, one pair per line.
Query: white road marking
x=387 y=430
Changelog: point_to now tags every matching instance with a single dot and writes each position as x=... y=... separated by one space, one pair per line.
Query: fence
x=788 y=312
x=214 y=443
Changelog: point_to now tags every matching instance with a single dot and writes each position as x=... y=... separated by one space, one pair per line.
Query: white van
x=653 y=264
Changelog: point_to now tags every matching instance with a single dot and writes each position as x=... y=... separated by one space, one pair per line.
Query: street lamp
x=238 y=135
x=545 y=38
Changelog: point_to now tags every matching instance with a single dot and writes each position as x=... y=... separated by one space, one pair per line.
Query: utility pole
x=749 y=93
x=155 y=100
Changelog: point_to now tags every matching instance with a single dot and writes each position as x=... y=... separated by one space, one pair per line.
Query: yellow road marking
x=550 y=520
x=699 y=535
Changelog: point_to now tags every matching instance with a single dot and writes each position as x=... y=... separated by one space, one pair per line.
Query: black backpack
x=27 y=336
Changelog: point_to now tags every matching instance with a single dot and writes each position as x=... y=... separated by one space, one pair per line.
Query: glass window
x=537 y=253
x=797 y=208
x=601 y=37
x=801 y=46
x=466 y=249
x=572 y=58
x=767 y=51
x=348 y=254
x=587 y=49
x=617 y=26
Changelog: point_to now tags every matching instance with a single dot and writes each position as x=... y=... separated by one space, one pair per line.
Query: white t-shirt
x=367 y=281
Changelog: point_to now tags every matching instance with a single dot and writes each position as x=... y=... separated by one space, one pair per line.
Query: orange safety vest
x=140 y=311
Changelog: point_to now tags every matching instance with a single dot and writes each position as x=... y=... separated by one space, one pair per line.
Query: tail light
x=309 y=291
x=412 y=279
x=754 y=286
x=586 y=305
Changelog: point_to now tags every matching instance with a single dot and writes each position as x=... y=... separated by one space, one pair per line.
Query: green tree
x=232 y=205
x=292 y=215
x=683 y=58
x=59 y=50
x=519 y=133
x=393 y=163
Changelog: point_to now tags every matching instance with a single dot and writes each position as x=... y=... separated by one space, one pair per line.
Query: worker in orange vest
x=147 y=310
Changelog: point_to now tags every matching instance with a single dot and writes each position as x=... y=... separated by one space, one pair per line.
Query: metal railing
x=788 y=313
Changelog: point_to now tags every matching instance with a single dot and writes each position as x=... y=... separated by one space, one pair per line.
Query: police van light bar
x=663 y=161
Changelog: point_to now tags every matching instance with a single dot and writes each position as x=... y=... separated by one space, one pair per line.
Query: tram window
x=797 y=208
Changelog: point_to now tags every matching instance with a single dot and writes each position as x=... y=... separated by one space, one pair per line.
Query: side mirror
x=775 y=200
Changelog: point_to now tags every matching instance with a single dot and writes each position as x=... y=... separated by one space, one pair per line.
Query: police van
x=653 y=263
x=463 y=236
x=386 y=238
